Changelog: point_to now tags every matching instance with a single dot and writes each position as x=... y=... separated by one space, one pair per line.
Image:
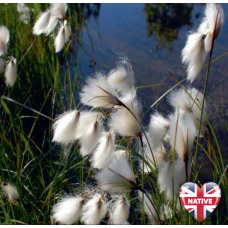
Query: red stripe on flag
x=213 y=191
x=183 y=192
x=189 y=209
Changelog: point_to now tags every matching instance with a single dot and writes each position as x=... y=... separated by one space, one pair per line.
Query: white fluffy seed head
x=4 y=39
x=120 y=211
x=199 y=43
x=117 y=177
x=5 y=35
x=10 y=191
x=183 y=103
x=104 y=152
x=208 y=42
x=22 y=8
x=86 y=120
x=157 y=129
x=58 y=9
x=124 y=62
x=157 y=157
x=121 y=153
x=204 y=27
x=2 y=65
x=211 y=14
x=166 y=138
x=25 y=18
x=90 y=138
x=60 y=39
x=99 y=93
x=24 y=11
x=42 y=23
x=193 y=55
x=67 y=28
x=192 y=47
x=196 y=111
x=180 y=100
x=65 y=127
x=123 y=121
x=182 y=133
x=117 y=77
x=72 y=125
x=94 y=210
x=68 y=210
x=122 y=76
x=51 y=25
x=165 y=178
x=149 y=208
x=11 y=72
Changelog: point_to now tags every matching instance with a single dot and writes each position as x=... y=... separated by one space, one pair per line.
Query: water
x=124 y=28
x=153 y=36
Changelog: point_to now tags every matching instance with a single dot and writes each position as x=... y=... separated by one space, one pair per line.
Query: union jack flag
x=200 y=202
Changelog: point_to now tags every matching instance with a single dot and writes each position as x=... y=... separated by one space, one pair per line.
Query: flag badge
x=200 y=202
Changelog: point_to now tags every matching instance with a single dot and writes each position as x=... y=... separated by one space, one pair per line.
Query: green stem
x=205 y=88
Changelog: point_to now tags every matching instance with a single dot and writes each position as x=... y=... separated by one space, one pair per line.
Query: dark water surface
x=153 y=43
x=153 y=36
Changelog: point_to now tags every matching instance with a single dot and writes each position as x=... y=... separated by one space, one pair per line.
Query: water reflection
x=80 y=14
x=165 y=20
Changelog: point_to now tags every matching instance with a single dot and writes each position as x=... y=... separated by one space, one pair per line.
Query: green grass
x=41 y=170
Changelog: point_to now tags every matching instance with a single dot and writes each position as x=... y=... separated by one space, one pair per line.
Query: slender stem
x=173 y=156
x=186 y=158
x=205 y=87
x=27 y=51
x=143 y=157
x=152 y=203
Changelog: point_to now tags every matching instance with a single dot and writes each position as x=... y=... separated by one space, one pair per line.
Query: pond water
x=153 y=41
x=151 y=35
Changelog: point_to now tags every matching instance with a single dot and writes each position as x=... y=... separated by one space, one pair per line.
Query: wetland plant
x=48 y=21
x=165 y=146
x=111 y=134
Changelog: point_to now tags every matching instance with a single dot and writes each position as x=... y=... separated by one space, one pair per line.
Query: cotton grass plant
x=5 y=36
x=125 y=119
x=10 y=67
x=126 y=172
x=200 y=43
x=10 y=191
x=48 y=21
